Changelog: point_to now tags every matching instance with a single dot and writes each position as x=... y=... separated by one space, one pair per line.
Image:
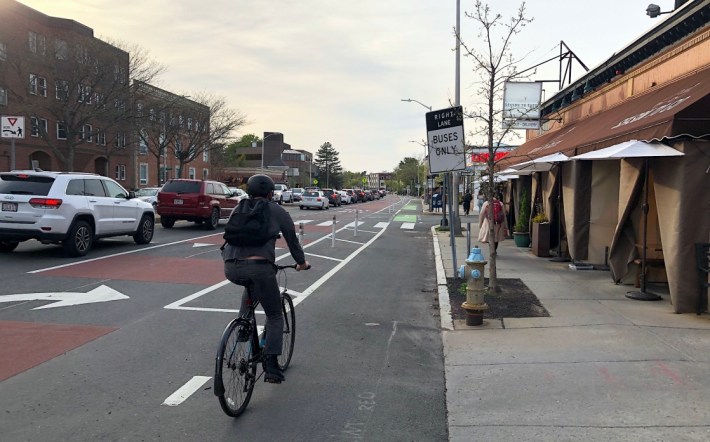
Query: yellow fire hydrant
x=473 y=272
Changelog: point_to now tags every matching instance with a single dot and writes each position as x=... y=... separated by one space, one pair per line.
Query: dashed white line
x=186 y=390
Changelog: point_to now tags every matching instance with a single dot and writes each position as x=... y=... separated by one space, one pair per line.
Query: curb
x=447 y=322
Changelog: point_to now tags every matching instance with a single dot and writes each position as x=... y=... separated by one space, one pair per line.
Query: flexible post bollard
x=357 y=212
x=332 y=241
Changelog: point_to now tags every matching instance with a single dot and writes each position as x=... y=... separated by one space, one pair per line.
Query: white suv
x=279 y=189
x=72 y=209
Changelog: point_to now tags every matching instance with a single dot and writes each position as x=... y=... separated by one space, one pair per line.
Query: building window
x=143 y=173
x=33 y=42
x=3 y=96
x=151 y=114
x=84 y=94
x=120 y=140
x=143 y=142
x=61 y=50
x=162 y=174
x=139 y=109
x=100 y=137
x=86 y=133
x=61 y=90
x=178 y=145
x=38 y=85
x=191 y=172
x=61 y=130
x=205 y=174
x=3 y=51
x=205 y=154
x=120 y=172
x=39 y=126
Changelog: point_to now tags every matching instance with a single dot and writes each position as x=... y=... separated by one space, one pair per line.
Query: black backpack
x=250 y=224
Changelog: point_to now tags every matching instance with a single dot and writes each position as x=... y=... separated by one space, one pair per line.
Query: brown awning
x=678 y=108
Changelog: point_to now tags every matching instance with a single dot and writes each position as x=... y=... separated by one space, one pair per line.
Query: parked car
x=149 y=195
x=278 y=191
x=361 y=197
x=239 y=193
x=314 y=199
x=71 y=209
x=383 y=192
x=287 y=196
x=199 y=201
x=375 y=194
x=333 y=197
x=345 y=197
x=353 y=195
x=297 y=193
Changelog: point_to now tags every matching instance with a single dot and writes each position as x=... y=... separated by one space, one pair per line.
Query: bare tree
x=494 y=64
x=208 y=124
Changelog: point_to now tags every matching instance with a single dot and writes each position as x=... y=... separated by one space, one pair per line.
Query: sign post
x=446 y=148
x=12 y=127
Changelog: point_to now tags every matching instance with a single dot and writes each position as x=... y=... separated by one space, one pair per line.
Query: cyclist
x=257 y=264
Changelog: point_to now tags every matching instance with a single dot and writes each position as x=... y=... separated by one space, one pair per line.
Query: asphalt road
x=367 y=365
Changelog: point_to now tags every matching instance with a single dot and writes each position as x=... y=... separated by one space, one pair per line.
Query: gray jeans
x=265 y=290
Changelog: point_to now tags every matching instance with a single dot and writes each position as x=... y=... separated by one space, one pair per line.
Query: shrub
x=521 y=225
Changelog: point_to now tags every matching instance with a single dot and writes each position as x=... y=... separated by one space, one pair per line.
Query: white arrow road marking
x=186 y=390
x=63 y=299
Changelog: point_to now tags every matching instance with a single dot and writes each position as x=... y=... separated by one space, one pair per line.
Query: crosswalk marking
x=302 y=221
x=352 y=224
x=381 y=225
x=326 y=223
x=408 y=226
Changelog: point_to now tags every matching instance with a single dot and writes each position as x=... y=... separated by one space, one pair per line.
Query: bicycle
x=240 y=352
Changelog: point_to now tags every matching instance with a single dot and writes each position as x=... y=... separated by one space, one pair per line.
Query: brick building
x=71 y=89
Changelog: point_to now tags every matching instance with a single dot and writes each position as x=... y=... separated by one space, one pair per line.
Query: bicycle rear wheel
x=235 y=371
x=289 y=331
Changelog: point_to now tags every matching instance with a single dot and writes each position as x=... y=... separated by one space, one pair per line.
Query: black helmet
x=260 y=185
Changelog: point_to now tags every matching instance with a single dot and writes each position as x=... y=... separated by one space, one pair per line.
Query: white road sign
x=446 y=144
x=12 y=127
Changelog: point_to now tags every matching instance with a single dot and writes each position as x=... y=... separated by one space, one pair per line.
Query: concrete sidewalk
x=601 y=367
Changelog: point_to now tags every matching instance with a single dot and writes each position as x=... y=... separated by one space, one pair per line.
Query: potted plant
x=540 y=234
x=521 y=232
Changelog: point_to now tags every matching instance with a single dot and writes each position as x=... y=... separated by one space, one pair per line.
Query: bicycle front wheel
x=235 y=371
x=289 y=331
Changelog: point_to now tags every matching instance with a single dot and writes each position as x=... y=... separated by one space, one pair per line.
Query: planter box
x=522 y=239
x=541 y=239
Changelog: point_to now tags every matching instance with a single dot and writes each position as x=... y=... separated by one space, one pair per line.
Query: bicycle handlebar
x=292 y=266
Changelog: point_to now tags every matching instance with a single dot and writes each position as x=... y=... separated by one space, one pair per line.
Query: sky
x=337 y=70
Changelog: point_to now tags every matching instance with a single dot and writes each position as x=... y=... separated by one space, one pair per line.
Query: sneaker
x=273 y=374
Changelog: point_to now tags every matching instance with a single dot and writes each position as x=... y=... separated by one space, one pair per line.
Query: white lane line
x=324 y=257
x=186 y=390
x=363 y=231
x=304 y=221
x=351 y=242
x=409 y=226
x=123 y=253
x=326 y=223
x=381 y=225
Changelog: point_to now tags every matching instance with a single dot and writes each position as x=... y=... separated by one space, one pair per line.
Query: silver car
x=316 y=199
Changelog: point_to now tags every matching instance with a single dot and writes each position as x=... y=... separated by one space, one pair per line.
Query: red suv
x=200 y=201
